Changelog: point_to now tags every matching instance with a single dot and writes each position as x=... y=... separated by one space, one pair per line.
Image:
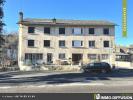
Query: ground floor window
x=77 y=58
x=123 y=58
x=92 y=56
x=49 y=57
x=62 y=56
x=33 y=57
x=105 y=56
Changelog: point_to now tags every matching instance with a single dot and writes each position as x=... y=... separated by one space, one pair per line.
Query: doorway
x=49 y=58
x=76 y=58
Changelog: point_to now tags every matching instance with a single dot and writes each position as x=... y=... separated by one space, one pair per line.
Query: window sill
x=32 y=33
x=107 y=34
x=47 y=33
x=31 y=47
x=48 y=47
x=78 y=34
x=93 y=48
x=91 y=34
x=77 y=47
x=62 y=47
x=108 y=48
x=62 y=34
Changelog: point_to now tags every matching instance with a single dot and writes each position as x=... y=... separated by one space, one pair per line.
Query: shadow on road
x=7 y=78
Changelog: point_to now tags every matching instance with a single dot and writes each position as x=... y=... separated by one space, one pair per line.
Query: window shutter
x=81 y=43
x=72 y=43
x=73 y=31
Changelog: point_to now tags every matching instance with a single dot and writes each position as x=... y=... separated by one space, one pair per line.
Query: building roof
x=31 y=21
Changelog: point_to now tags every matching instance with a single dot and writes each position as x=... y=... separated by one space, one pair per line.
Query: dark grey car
x=97 y=67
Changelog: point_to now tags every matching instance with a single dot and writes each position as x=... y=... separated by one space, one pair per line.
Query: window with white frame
x=62 y=43
x=77 y=31
x=47 y=30
x=46 y=43
x=77 y=43
x=92 y=56
x=91 y=30
x=33 y=56
x=62 y=56
x=61 y=30
x=91 y=44
x=106 y=31
x=105 y=56
x=31 y=43
x=31 y=29
x=106 y=44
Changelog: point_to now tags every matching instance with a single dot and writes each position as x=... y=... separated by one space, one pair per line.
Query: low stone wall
x=64 y=67
x=122 y=64
x=51 y=68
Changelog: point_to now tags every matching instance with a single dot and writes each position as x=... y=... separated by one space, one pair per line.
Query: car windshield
x=105 y=64
x=97 y=64
x=91 y=65
x=94 y=65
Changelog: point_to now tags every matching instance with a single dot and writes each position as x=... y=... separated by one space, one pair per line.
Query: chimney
x=54 y=20
x=20 y=16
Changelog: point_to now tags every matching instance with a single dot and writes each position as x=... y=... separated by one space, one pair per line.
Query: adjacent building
x=55 y=40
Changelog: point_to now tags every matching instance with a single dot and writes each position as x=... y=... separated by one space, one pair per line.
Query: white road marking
x=56 y=85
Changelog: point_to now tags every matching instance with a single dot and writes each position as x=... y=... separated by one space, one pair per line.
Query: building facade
x=55 y=40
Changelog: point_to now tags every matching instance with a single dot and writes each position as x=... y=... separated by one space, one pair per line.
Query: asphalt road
x=118 y=81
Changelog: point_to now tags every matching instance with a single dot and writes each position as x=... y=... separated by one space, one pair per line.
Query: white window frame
x=62 y=55
x=105 y=56
x=77 y=43
x=90 y=46
x=77 y=31
x=62 y=41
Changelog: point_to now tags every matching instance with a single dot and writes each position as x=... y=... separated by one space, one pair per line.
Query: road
x=118 y=81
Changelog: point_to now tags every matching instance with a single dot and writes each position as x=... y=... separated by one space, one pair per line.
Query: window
x=92 y=56
x=91 y=31
x=77 y=31
x=106 y=44
x=47 y=30
x=61 y=30
x=92 y=44
x=31 y=29
x=123 y=58
x=106 y=31
x=105 y=56
x=30 y=43
x=33 y=56
x=49 y=57
x=62 y=43
x=46 y=43
x=77 y=43
x=62 y=56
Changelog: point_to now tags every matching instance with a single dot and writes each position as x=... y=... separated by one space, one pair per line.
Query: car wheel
x=104 y=71
x=108 y=71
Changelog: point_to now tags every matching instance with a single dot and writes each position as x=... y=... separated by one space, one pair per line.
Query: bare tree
x=2 y=40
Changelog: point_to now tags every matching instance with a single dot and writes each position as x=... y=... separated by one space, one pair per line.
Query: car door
x=98 y=66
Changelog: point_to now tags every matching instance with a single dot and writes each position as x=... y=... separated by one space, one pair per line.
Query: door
x=49 y=58
x=76 y=58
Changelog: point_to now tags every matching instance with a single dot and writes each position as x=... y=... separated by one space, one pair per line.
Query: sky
x=110 y=10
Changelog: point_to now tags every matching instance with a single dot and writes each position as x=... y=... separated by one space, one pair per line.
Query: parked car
x=97 y=67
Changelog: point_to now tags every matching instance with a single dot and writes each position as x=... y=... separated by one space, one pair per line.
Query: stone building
x=54 y=40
